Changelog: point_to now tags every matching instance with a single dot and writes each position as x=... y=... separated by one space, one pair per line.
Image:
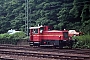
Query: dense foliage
x=11 y=38
x=83 y=41
x=68 y=14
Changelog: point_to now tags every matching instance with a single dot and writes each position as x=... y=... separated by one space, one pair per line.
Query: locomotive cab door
x=34 y=38
x=36 y=35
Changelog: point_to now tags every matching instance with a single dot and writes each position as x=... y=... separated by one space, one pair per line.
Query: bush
x=11 y=38
x=83 y=41
x=5 y=36
x=18 y=35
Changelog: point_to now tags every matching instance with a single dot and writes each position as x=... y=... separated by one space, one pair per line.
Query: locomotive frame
x=43 y=36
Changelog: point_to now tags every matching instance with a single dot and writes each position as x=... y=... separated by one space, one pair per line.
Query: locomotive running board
x=47 y=45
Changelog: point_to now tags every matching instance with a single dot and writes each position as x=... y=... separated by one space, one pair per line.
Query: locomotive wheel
x=70 y=45
x=61 y=46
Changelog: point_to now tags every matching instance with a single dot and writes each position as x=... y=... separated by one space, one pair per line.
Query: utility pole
x=26 y=17
x=30 y=16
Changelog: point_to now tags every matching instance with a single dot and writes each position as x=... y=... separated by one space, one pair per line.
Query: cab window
x=35 y=31
x=41 y=29
x=65 y=34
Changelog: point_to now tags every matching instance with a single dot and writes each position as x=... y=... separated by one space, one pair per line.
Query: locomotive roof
x=56 y=31
x=35 y=27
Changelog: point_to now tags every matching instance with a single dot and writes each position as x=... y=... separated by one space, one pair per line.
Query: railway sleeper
x=6 y=59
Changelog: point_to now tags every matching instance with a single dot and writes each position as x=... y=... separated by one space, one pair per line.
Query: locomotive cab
x=36 y=34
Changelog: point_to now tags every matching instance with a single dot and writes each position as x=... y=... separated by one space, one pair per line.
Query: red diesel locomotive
x=43 y=36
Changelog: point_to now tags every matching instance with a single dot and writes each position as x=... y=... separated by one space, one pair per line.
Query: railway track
x=44 y=54
x=4 y=58
x=78 y=51
x=69 y=54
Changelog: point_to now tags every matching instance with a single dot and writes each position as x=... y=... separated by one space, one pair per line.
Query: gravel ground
x=16 y=57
